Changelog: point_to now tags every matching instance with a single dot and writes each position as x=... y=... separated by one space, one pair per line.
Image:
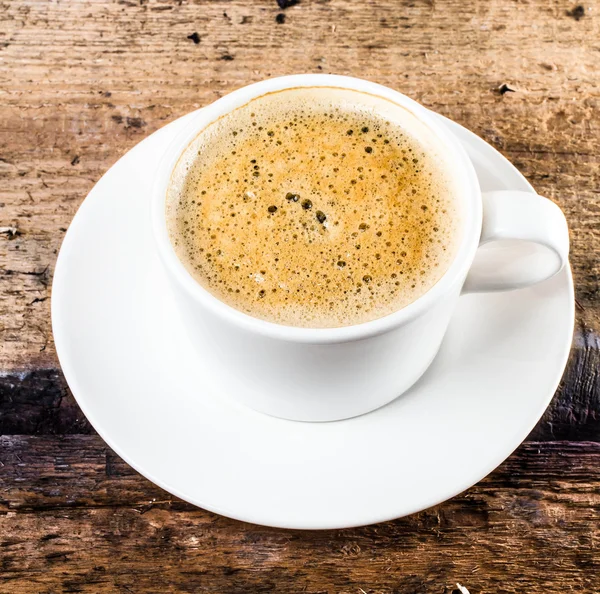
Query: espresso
x=314 y=207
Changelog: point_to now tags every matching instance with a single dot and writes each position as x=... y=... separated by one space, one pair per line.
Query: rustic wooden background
x=81 y=82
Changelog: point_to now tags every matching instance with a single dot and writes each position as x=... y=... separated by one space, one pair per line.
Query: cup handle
x=524 y=240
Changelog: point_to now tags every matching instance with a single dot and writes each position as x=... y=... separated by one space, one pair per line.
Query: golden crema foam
x=314 y=207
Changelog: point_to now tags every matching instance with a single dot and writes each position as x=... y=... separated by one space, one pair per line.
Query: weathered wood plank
x=74 y=518
x=38 y=401
x=82 y=82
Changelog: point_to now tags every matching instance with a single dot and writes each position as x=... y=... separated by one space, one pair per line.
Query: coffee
x=314 y=207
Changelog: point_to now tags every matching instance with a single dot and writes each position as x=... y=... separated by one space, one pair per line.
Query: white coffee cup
x=326 y=374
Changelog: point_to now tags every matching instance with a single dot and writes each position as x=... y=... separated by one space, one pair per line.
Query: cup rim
x=454 y=275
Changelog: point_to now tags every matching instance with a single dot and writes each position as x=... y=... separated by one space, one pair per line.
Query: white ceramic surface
x=127 y=359
x=328 y=374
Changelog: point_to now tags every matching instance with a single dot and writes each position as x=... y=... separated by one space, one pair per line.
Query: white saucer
x=132 y=370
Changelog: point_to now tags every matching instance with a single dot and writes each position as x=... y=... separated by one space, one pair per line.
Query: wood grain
x=83 y=81
x=76 y=519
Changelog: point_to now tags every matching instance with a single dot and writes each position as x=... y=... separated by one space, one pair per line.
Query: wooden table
x=84 y=81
